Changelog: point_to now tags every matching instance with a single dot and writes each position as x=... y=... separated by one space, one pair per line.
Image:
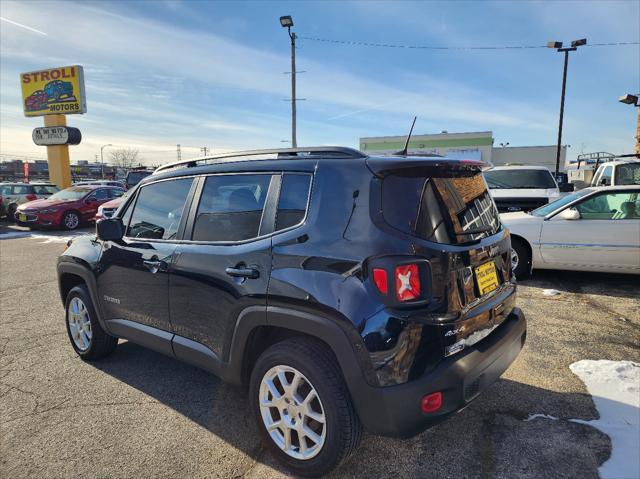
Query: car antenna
x=406 y=144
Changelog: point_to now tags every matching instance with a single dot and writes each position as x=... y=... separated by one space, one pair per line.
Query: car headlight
x=48 y=210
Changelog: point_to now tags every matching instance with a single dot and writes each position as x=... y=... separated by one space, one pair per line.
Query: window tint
x=21 y=190
x=444 y=210
x=292 y=204
x=5 y=190
x=608 y=206
x=519 y=178
x=230 y=207
x=158 y=209
x=115 y=193
x=628 y=174
x=100 y=195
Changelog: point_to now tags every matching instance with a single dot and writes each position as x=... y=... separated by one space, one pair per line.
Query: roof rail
x=309 y=152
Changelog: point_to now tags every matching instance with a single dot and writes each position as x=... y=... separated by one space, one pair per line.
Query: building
x=471 y=145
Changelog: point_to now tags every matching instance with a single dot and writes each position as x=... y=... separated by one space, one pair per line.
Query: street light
x=287 y=22
x=102 y=159
x=630 y=99
x=558 y=46
x=503 y=145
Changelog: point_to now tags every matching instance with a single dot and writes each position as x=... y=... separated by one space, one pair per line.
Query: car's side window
x=610 y=206
x=115 y=193
x=101 y=194
x=292 y=204
x=230 y=207
x=606 y=176
x=21 y=190
x=158 y=209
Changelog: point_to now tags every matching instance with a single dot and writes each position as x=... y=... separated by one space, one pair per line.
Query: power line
x=430 y=47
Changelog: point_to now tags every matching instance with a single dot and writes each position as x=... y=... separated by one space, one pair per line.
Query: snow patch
x=45 y=237
x=550 y=292
x=541 y=416
x=615 y=388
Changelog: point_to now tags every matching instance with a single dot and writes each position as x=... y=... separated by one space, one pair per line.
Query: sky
x=213 y=74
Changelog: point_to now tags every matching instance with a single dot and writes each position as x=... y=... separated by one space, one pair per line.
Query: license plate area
x=486 y=277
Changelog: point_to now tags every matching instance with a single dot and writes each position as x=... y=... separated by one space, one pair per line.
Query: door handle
x=152 y=265
x=245 y=272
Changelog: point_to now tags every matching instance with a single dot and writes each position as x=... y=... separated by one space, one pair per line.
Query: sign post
x=54 y=93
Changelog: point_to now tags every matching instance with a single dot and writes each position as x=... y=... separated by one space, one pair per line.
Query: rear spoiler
x=421 y=166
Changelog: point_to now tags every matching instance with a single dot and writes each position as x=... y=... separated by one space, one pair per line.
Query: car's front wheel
x=303 y=408
x=71 y=220
x=520 y=258
x=87 y=337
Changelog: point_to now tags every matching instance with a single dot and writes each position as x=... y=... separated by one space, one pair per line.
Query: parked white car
x=521 y=188
x=594 y=229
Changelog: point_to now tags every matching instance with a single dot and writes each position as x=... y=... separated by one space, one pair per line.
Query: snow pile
x=615 y=387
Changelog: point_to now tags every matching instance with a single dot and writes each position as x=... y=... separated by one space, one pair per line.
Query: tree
x=124 y=157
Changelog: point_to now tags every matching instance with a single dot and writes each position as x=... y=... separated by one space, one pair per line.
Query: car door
x=91 y=202
x=223 y=267
x=133 y=276
x=606 y=237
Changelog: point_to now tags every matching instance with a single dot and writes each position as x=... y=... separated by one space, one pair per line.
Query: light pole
x=635 y=101
x=558 y=46
x=102 y=159
x=287 y=22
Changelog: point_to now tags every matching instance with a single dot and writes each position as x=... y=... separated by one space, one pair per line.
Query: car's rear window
x=448 y=210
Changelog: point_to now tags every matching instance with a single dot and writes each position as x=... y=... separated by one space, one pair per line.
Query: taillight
x=407 y=280
x=31 y=197
x=431 y=402
x=380 y=279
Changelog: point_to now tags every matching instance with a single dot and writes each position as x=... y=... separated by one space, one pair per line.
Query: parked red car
x=68 y=208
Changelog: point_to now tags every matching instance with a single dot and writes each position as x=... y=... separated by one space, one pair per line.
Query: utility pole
x=558 y=46
x=204 y=150
x=178 y=152
x=287 y=22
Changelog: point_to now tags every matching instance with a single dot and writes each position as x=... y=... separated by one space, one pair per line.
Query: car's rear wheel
x=520 y=258
x=71 y=220
x=302 y=407
x=87 y=337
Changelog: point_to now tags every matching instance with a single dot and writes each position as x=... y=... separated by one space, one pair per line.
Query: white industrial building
x=471 y=145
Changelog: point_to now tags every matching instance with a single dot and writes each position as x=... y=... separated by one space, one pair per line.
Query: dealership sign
x=56 y=135
x=56 y=91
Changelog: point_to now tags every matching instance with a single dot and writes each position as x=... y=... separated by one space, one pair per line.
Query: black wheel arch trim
x=82 y=271
x=316 y=326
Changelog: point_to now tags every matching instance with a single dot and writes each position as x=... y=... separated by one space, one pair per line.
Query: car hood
x=524 y=192
x=44 y=203
x=112 y=203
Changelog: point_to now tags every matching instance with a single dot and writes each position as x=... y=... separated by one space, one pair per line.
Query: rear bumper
x=395 y=410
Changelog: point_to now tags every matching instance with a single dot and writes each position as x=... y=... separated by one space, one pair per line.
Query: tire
x=11 y=212
x=68 y=221
x=90 y=342
x=341 y=432
x=520 y=258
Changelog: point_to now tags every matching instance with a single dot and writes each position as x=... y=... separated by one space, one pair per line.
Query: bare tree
x=124 y=157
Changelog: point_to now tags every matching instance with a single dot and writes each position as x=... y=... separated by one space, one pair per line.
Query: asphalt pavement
x=140 y=414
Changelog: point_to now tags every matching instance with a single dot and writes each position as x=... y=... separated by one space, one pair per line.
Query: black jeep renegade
x=346 y=290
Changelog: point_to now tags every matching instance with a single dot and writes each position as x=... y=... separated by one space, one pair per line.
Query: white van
x=615 y=173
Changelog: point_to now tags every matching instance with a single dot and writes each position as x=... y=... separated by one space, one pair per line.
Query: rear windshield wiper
x=475 y=231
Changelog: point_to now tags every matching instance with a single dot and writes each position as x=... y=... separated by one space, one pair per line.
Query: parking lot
x=140 y=414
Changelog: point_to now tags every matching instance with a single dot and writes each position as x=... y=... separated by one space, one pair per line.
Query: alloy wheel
x=292 y=412
x=79 y=324
x=71 y=221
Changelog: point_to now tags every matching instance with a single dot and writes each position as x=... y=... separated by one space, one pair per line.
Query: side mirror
x=110 y=229
x=90 y=200
x=568 y=214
